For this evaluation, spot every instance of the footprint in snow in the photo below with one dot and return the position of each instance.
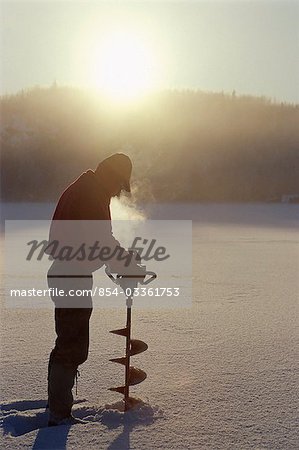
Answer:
(23, 416)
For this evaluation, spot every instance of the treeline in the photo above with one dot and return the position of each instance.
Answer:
(186, 145)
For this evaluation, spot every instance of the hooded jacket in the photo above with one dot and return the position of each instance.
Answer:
(73, 227)
(84, 199)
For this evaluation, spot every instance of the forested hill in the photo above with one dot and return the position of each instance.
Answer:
(186, 145)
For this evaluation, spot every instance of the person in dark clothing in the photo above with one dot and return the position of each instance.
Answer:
(86, 199)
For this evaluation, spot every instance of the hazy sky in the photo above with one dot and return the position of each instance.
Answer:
(250, 47)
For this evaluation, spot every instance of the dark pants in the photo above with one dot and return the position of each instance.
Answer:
(71, 349)
(72, 329)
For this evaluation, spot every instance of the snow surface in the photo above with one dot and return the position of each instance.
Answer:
(221, 375)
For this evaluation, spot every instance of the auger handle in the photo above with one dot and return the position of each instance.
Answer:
(114, 279)
(141, 278)
(152, 275)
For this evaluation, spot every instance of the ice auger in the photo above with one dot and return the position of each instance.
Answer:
(133, 375)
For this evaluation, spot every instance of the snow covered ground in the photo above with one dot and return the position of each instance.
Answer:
(221, 375)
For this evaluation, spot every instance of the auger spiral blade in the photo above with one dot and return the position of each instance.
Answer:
(120, 389)
(121, 331)
(119, 360)
(136, 376)
(137, 346)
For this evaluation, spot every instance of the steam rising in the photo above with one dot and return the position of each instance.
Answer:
(125, 216)
(124, 208)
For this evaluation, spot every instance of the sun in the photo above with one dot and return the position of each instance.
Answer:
(122, 66)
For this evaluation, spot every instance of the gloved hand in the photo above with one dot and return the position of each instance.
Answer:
(131, 276)
(133, 270)
(129, 268)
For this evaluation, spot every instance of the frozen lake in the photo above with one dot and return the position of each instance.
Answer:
(222, 374)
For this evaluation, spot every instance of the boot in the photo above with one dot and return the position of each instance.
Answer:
(71, 420)
(61, 381)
